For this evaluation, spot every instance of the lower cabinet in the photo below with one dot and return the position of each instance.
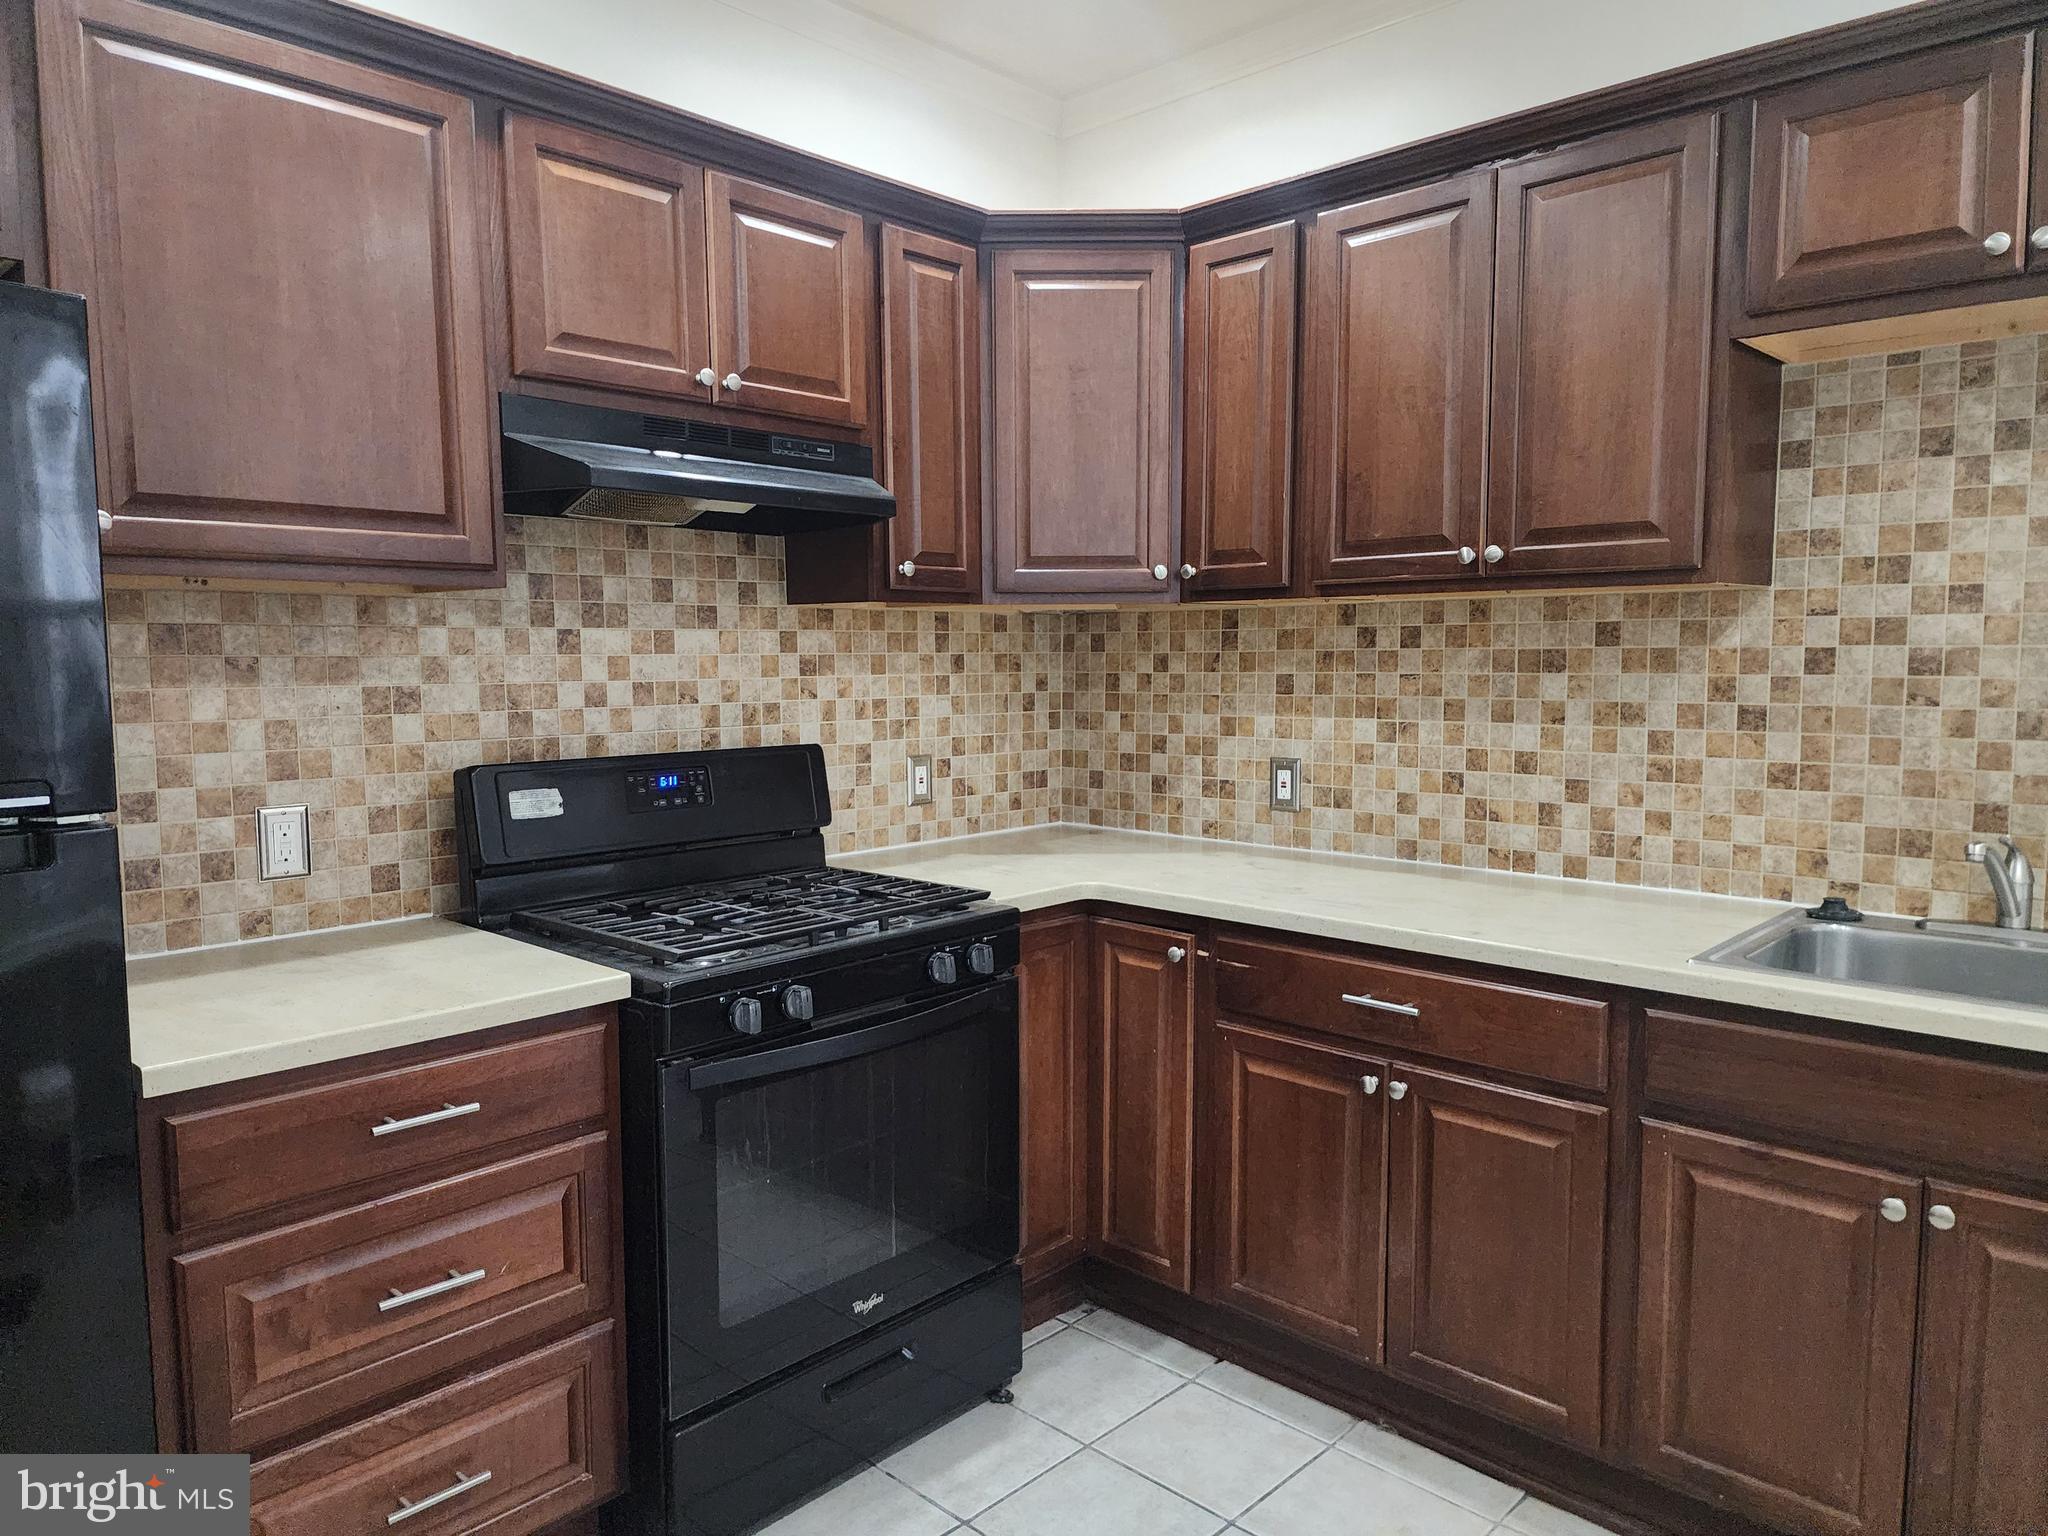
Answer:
(1496, 1244)
(1052, 1002)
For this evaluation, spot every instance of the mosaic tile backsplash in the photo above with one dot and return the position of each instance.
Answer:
(1847, 731)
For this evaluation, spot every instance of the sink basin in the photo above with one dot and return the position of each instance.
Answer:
(1991, 965)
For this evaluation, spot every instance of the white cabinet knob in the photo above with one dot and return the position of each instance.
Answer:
(1397, 1089)
(1892, 1208)
(1371, 1085)
(1187, 573)
(706, 377)
(1467, 554)
(106, 521)
(907, 568)
(733, 382)
(1997, 243)
(1175, 953)
(2039, 238)
(1159, 573)
(1495, 554)
(1941, 1217)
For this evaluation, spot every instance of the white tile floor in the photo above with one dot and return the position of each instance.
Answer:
(1121, 1431)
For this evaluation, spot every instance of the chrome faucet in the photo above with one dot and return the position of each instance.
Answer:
(2012, 881)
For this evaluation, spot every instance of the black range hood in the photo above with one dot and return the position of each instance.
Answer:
(586, 461)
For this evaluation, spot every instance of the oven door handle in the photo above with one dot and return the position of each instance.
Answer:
(754, 1065)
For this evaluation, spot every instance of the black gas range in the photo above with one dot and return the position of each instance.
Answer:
(818, 1078)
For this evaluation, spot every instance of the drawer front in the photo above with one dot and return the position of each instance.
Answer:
(250, 1156)
(290, 1327)
(1909, 1107)
(1487, 1023)
(508, 1451)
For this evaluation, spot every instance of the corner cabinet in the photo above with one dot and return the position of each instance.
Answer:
(1083, 401)
(1053, 1039)
(280, 256)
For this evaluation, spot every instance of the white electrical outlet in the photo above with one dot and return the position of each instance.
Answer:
(920, 782)
(1286, 784)
(282, 842)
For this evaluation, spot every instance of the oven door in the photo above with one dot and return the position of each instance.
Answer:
(819, 1187)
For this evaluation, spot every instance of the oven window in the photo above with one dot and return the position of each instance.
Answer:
(807, 1205)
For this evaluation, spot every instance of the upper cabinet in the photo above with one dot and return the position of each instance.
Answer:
(1883, 180)
(1083, 402)
(1398, 324)
(931, 395)
(1603, 298)
(279, 251)
(1238, 433)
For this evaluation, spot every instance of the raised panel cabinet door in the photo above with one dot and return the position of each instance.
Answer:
(931, 394)
(791, 289)
(279, 254)
(1143, 1109)
(1296, 1138)
(1890, 178)
(1980, 1418)
(1083, 404)
(1398, 332)
(1602, 296)
(1496, 1242)
(1775, 1314)
(604, 250)
(1238, 445)
(1052, 1009)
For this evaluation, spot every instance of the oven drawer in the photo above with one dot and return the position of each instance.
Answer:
(253, 1155)
(1494, 1024)
(298, 1325)
(509, 1451)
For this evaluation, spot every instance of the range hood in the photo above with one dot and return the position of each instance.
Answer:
(586, 461)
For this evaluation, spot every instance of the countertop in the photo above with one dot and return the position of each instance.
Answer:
(203, 1016)
(1624, 935)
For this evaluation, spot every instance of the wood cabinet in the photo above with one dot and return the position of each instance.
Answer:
(1143, 1102)
(1603, 296)
(1238, 423)
(1296, 1140)
(279, 251)
(1496, 1248)
(1052, 1006)
(1775, 1330)
(931, 398)
(1082, 393)
(1397, 326)
(1891, 178)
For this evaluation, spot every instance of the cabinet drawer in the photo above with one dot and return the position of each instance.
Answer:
(290, 1327)
(1488, 1023)
(255, 1154)
(1910, 1107)
(508, 1451)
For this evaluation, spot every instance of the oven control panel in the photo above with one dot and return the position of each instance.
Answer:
(661, 789)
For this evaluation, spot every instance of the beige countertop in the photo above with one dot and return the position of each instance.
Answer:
(1624, 935)
(204, 1016)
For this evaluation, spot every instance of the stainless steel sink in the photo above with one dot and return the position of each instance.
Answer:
(1992, 965)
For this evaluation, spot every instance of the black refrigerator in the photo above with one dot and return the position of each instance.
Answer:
(74, 1322)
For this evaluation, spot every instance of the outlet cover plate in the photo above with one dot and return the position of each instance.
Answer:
(1284, 787)
(919, 780)
(282, 842)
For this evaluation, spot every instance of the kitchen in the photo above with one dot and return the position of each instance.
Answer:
(1350, 856)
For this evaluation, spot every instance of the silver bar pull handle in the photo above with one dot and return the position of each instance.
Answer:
(387, 1125)
(457, 1279)
(407, 1508)
(1367, 1000)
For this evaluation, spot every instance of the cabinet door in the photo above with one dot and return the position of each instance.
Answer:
(1239, 418)
(1296, 1139)
(931, 391)
(1603, 294)
(1084, 421)
(1143, 1100)
(790, 295)
(1496, 1242)
(1399, 319)
(279, 251)
(1980, 1421)
(1052, 1005)
(604, 250)
(1890, 178)
(1775, 1331)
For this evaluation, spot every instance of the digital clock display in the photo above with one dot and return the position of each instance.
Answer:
(667, 781)
(665, 789)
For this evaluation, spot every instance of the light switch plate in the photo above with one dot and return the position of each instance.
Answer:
(920, 781)
(1285, 788)
(282, 842)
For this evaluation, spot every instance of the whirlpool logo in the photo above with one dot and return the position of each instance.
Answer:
(863, 1308)
(166, 1496)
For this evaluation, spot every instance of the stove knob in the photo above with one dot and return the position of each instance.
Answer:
(981, 959)
(745, 1015)
(942, 968)
(796, 1003)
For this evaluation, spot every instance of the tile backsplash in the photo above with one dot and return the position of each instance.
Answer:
(1848, 730)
